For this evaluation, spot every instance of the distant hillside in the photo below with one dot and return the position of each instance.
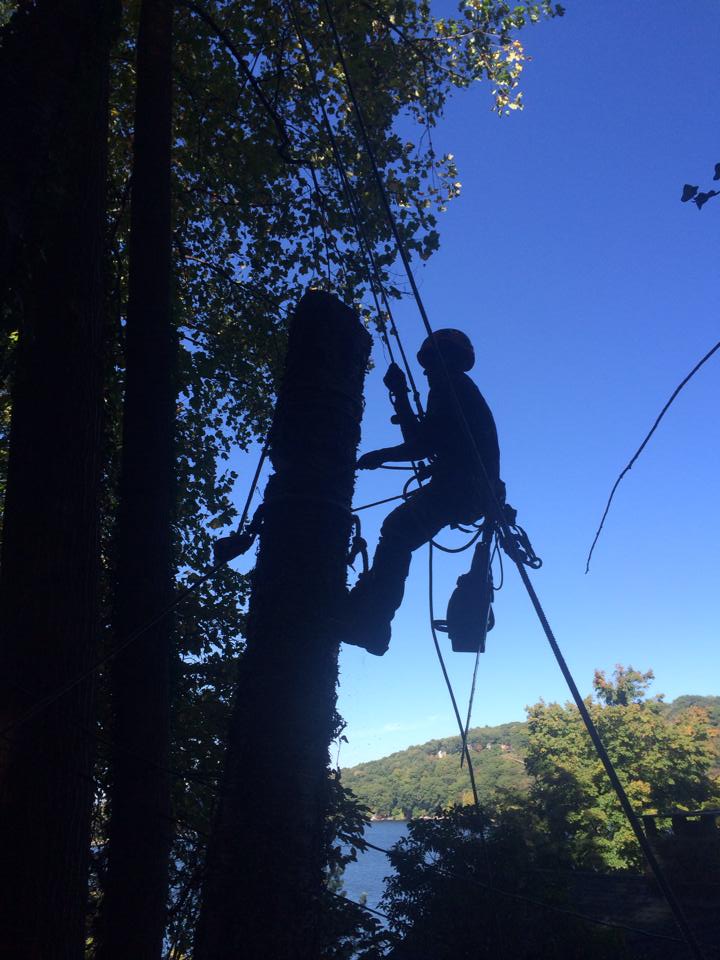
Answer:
(416, 781)
(711, 704)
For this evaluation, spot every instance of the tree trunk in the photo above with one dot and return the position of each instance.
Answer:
(133, 913)
(50, 557)
(264, 870)
(43, 58)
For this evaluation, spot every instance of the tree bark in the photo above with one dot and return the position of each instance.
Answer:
(133, 912)
(264, 869)
(50, 556)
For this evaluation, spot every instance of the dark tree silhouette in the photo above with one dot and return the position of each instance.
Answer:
(263, 884)
(140, 832)
(53, 114)
(43, 59)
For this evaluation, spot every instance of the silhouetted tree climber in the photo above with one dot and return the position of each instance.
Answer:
(458, 490)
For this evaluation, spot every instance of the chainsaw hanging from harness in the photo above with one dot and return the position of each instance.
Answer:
(469, 612)
(470, 615)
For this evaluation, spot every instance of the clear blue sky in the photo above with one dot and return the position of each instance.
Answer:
(589, 291)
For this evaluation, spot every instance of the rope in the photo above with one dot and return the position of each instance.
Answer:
(376, 170)
(140, 631)
(377, 503)
(470, 706)
(465, 546)
(353, 207)
(642, 446)
(446, 677)
(471, 772)
(505, 527)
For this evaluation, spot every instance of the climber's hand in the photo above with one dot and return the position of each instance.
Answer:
(371, 460)
(394, 380)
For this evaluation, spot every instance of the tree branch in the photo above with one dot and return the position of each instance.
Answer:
(284, 145)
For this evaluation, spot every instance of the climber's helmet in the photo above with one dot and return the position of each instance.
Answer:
(454, 347)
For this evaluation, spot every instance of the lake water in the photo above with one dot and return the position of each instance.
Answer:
(365, 877)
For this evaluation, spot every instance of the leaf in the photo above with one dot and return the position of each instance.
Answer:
(688, 192)
(702, 198)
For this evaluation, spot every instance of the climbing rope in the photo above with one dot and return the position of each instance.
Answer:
(471, 700)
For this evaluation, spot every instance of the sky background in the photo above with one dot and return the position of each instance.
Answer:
(589, 291)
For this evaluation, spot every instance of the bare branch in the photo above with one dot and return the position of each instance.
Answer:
(642, 446)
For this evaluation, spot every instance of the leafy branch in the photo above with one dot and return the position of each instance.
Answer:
(700, 198)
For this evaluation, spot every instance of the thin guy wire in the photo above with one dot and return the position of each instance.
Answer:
(377, 503)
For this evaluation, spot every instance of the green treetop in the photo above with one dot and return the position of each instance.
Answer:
(664, 762)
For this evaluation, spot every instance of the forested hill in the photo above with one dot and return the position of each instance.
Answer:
(687, 700)
(416, 781)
